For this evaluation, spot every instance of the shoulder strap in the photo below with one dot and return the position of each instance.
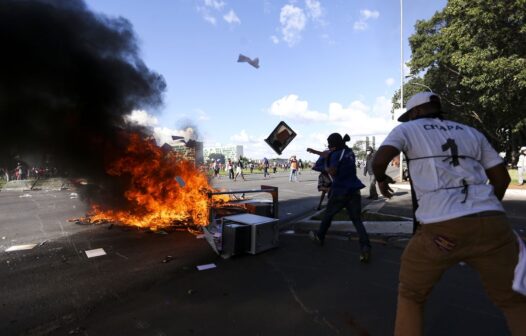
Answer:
(339, 162)
(414, 201)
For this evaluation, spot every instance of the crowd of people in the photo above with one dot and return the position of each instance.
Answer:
(238, 169)
(25, 172)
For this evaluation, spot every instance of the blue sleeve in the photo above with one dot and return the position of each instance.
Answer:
(334, 157)
(319, 165)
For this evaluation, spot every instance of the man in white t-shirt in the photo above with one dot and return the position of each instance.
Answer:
(460, 215)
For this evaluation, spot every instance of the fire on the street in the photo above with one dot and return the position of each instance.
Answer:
(156, 199)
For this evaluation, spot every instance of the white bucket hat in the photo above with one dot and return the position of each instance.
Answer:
(417, 100)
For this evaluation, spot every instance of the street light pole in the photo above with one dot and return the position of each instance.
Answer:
(419, 84)
(422, 85)
(401, 77)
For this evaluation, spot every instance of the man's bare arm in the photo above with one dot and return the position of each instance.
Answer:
(499, 178)
(323, 154)
(381, 160)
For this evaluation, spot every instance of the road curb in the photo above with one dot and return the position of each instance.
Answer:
(373, 227)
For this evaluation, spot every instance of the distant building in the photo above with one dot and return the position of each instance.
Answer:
(190, 150)
(232, 152)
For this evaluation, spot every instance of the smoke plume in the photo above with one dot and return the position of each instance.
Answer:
(68, 76)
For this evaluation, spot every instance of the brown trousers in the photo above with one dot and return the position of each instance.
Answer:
(486, 243)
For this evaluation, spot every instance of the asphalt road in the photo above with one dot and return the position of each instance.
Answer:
(148, 284)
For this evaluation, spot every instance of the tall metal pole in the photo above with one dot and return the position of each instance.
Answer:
(401, 76)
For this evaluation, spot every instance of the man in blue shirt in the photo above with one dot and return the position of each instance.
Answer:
(344, 193)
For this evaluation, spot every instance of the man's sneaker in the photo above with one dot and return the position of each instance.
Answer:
(314, 237)
(365, 256)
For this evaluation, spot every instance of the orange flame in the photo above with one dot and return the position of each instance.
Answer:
(157, 199)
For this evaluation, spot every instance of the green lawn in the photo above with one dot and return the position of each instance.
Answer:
(514, 175)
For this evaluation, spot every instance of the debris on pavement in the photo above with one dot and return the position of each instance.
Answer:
(25, 195)
(73, 195)
(206, 267)
(20, 247)
(95, 253)
(200, 236)
(168, 259)
(76, 331)
(122, 256)
(54, 249)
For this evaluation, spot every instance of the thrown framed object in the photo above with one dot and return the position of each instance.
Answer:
(280, 137)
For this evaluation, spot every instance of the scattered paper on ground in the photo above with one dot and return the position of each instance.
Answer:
(95, 253)
(25, 195)
(206, 267)
(73, 195)
(21, 247)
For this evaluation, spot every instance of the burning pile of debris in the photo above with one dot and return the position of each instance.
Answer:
(70, 77)
(161, 188)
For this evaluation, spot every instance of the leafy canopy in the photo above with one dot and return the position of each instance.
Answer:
(473, 54)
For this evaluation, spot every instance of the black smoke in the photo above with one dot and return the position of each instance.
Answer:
(67, 78)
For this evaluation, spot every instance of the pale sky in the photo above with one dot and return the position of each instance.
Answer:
(325, 66)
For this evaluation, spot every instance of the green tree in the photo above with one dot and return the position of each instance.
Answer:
(473, 54)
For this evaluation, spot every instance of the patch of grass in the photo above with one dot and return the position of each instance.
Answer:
(366, 216)
(514, 175)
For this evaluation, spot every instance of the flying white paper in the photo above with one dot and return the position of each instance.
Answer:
(254, 62)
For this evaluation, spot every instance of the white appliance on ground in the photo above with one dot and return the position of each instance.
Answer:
(264, 231)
